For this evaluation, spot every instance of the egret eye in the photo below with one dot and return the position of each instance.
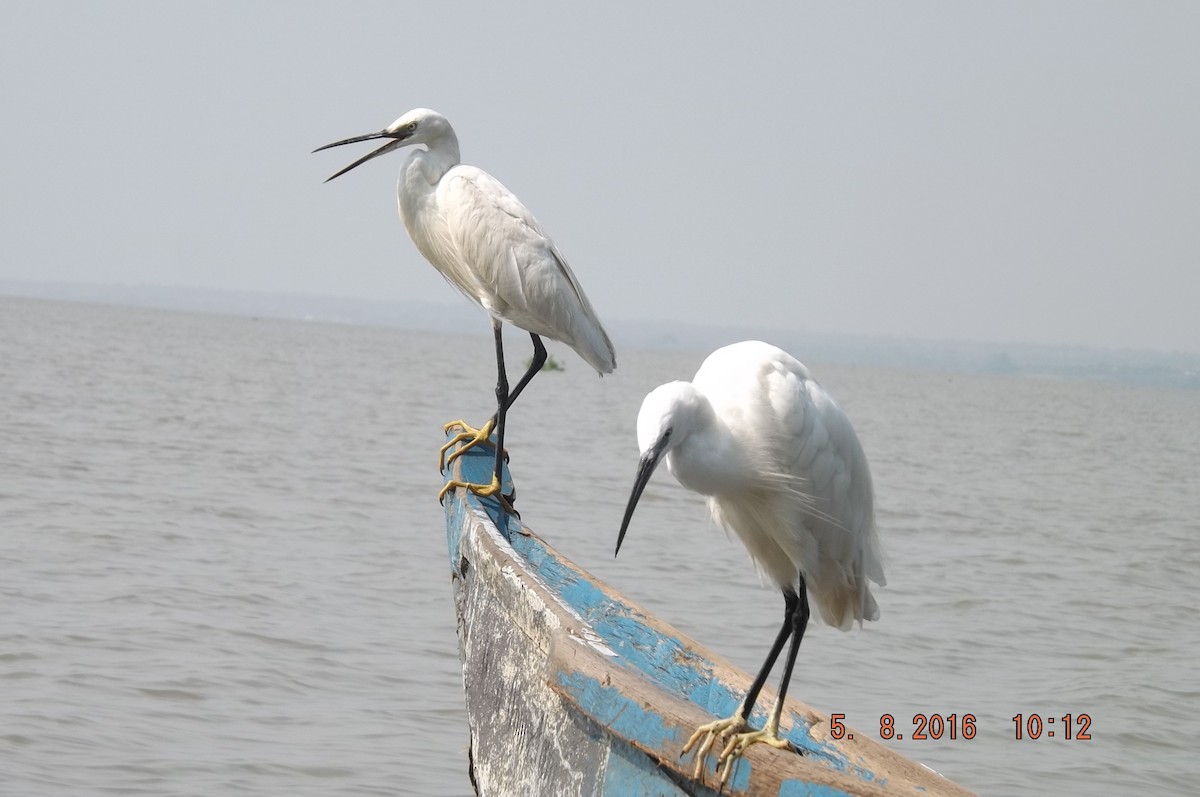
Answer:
(411, 126)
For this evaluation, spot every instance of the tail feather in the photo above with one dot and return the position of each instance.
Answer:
(592, 344)
(842, 596)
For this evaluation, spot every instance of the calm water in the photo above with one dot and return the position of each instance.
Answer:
(222, 567)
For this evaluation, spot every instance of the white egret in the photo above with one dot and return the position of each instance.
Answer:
(480, 237)
(783, 470)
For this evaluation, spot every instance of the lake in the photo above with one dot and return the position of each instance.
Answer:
(223, 565)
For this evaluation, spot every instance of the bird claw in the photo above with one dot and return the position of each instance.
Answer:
(469, 437)
(481, 490)
(739, 743)
(710, 732)
(491, 490)
(707, 735)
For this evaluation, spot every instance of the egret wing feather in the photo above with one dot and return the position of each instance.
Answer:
(500, 249)
(830, 465)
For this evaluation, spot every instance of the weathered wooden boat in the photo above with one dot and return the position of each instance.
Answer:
(572, 689)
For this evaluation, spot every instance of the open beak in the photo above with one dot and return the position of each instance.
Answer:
(646, 466)
(397, 140)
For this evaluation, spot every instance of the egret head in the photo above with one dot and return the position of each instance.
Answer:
(418, 126)
(669, 414)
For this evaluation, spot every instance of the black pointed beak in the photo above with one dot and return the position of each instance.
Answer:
(397, 140)
(646, 466)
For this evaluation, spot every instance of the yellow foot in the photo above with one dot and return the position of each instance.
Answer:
(469, 434)
(739, 743)
(709, 733)
(483, 491)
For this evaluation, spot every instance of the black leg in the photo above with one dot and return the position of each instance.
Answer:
(790, 602)
(535, 365)
(539, 359)
(502, 398)
(799, 623)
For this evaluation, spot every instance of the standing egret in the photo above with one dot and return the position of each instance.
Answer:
(782, 469)
(480, 237)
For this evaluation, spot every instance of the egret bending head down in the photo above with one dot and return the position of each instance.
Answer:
(480, 237)
(783, 470)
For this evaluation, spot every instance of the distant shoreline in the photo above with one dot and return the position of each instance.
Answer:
(1124, 366)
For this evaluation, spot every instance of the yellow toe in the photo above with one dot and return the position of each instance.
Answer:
(739, 743)
(469, 438)
(706, 735)
(482, 490)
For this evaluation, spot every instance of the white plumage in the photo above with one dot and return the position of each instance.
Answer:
(784, 471)
(480, 237)
(489, 246)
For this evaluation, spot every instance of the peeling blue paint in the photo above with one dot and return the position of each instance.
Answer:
(613, 709)
(636, 776)
(636, 724)
(799, 788)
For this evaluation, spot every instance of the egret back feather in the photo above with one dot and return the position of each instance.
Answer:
(815, 500)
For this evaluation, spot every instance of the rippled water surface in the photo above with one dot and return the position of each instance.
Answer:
(222, 567)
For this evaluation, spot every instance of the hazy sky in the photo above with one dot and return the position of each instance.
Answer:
(1016, 172)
